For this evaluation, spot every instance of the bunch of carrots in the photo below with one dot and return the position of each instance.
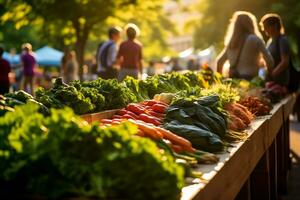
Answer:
(239, 116)
(256, 106)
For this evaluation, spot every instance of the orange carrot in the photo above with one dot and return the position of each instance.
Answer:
(147, 129)
(177, 148)
(176, 140)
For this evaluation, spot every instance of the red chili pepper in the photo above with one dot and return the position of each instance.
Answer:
(152, 102)
(128, 112)
(122, 111)
(135, 108)
(117, 116)
(156, 114)
(147, 107)
(159, 108)
(149, 102)
(117, 120)
(106, 121)
(162, 103)
(149, 119)
(126, 116)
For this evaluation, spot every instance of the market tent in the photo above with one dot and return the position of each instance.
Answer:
(12, 59)
(186, 53)
(207, 56)
(48, 56)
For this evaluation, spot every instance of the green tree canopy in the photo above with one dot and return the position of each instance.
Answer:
(84, 22)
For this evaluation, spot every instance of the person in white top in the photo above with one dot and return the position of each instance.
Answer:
(244, 48)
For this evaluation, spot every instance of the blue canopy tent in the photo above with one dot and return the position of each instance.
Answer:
(12, 59)
(47, 56)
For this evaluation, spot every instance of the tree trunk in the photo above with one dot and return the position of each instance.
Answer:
(82, 34)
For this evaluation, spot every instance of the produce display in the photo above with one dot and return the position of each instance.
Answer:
(199, 121)
(239, 116)
(148, 116)
(61, 155)
(256, 106)
(165, 126)
(274, 92)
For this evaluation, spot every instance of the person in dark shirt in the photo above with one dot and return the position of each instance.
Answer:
(279, 47)
(107, 54)
(4, 72)
(130, 54)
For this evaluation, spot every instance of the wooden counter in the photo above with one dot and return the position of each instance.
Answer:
(249, 169)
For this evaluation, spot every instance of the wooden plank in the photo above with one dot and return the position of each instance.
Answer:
(87, 117)
(100, 115)
(260, 179)
(288, 105)
(245, 192)
(103, 115)
(274, 123)
(273, 170)
(281, 174)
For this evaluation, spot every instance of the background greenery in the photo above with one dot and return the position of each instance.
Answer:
(82, 24)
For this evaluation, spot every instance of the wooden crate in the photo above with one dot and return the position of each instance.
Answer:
(100, 115)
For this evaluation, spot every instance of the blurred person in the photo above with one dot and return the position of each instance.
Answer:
(279, 47)
(244, 48)
(175, 65)
(4, 73)
(130, 54)
(63, 62)
(94, 67)
(151, 68)
(72, 68)
(107, 54)
(29, 64)
(192, 64)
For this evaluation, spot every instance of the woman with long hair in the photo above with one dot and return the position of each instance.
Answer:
(244, 48)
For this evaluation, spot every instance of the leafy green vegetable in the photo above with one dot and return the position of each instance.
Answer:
(224, 91)
(136, 88)
(65, 95)
(116, 95)
(257, 82)
(20, 96)
(60, 155)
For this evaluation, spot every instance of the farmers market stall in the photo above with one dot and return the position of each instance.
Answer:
(253, 169)
(191, 135)
(248, 170)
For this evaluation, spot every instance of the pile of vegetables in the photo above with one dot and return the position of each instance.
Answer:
(256, 106)
(226, 93)
(274, 92)
(100, 94)
(46, 150)
(239, 116)
(63, 94)
(200, 121)
(148, 115)
(10, 100)
(105, 163)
